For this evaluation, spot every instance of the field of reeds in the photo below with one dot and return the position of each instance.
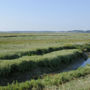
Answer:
(28, 60)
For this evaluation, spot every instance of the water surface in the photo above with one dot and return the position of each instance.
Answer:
(86, 62)
(77, 64)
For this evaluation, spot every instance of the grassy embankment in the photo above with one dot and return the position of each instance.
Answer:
(81, 83)
(47, 81)
(28, 63)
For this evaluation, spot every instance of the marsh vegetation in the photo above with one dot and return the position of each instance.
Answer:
(37, 60)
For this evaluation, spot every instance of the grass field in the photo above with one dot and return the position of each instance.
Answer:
(77, 84)
(27, 60)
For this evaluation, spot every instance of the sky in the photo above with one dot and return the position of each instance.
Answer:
(41, 15)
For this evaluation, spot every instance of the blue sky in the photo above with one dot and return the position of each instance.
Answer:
(37, 15)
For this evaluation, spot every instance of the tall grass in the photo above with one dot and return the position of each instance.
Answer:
(54, 80)
(51, 60)
(51, 51)
(42, 51)
(16, 45)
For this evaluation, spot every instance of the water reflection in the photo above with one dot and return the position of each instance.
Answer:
(77, 64)
(86, 62)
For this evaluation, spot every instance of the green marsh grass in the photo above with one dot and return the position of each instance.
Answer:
(51, 60)
(13, 45)
(23, 52)
(49, 81)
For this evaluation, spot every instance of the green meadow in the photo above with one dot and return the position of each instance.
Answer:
(35, 61)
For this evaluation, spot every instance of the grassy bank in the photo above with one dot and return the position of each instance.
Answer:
(82, 83)
(47, 81)
(51, 60)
